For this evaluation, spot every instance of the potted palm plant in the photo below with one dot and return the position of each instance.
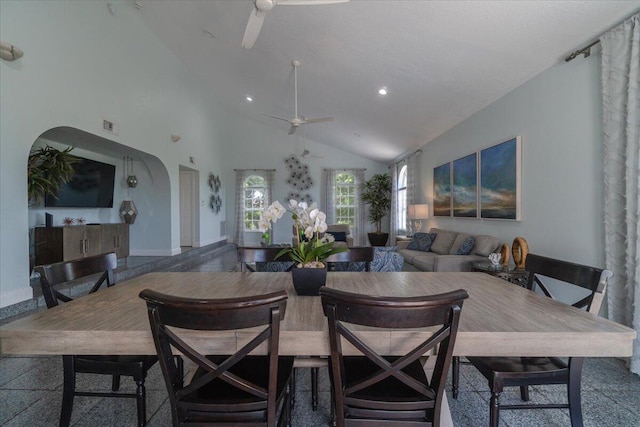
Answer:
(47, 169)
(377, 194)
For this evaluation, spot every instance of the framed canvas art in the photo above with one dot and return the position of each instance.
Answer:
(442, 190)
(465, 187)
(500, 196)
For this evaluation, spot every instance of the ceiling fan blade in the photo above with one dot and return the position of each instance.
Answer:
(292, 130)
(319, 120)
(308, 2)
(256, 19)
(276, 117)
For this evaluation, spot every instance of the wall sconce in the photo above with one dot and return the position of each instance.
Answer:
(416, 214)
(175, 138)
(9, 52)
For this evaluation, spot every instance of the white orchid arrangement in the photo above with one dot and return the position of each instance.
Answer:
(309, 222)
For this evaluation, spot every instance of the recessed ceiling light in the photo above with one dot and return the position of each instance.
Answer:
(208, 34)
(382, 91)
(248, 98)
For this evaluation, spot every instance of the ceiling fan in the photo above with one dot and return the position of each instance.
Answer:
(297, 120)
(261, 7)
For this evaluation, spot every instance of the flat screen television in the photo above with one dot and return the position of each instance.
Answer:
(91, 186)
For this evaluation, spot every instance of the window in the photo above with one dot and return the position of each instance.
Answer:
(402, 199)
(255, 189)
(345, 199)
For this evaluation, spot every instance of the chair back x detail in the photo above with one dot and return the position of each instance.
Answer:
(236, 388)
(55, 274)
(594, 280)
(379, 390)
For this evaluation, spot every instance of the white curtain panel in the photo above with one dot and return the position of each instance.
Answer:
(329, 194)
(411, 180)
(393, 215)
(621, 122)
(241, 175)
(360, 219)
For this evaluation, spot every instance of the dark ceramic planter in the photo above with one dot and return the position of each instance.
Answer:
(378, 239)
(307, 281)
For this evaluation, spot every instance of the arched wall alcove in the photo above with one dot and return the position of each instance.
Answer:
(150, 234)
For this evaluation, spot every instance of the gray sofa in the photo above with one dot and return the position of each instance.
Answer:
(442, 255)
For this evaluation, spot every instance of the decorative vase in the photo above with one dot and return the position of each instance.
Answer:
(307, 281)
(520, 250)
(378, 239)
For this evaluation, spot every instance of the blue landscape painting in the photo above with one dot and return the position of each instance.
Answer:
(442, 190)
(499, 181)
(465, 187)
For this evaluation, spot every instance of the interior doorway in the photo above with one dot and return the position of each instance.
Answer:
(189, 225)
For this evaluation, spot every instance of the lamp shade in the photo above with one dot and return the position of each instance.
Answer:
(418, 211)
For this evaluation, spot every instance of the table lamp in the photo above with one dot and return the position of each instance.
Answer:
(416, 214)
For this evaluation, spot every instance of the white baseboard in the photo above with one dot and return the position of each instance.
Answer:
(16, 296)
(154, 252)
(209, 242)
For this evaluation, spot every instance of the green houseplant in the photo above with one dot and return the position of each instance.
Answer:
(377, 194)
(47, 169)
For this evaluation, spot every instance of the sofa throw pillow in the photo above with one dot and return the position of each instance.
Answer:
(467, 245)
(460, 239)
(385, 248)
(340, 236)
(444, 241)
(422, 242)
(484, 245)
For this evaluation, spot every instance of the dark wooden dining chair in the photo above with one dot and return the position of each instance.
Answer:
(373, 389)
(102, 266)
(525, 371)
(251, 258)
(355, 254)
(225, 390)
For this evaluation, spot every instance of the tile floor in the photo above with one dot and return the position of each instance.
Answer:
(31, 389)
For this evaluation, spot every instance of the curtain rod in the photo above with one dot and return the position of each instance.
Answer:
(586, 51)
(272, 170)
(415, 153)
(346, 169)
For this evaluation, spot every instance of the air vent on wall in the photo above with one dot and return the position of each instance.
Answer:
(110, 127)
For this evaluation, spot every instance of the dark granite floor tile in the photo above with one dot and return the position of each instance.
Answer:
(12, 367)
(45, 376)
(469, 409)
(46, 411)
(601, 373)
(117, 412)
(16, 401)
(600, 410)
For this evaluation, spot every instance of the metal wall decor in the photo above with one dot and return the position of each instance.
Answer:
(214, 182)
(299, 179)
(215, 202)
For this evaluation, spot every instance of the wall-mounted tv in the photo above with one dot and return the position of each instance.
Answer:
(91, 186)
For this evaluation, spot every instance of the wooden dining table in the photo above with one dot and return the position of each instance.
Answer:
(498, 318)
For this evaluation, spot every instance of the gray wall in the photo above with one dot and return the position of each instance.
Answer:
(558, 115)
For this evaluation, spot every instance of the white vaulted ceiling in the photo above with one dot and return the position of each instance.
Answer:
(441, 61)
